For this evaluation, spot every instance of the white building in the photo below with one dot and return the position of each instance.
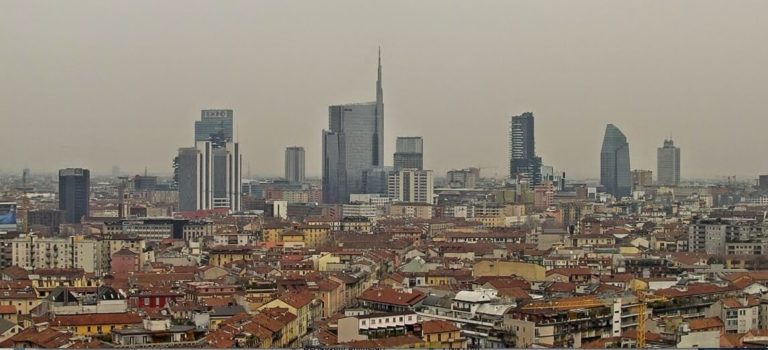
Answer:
(31, 252)
(411, 185)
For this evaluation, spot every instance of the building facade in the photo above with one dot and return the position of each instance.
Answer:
(409, 153)
(411, 185)
(209, 177)
(524, 165)
(215, 124)
(668, 164)
(294, 164)
(641, 179)
(353, 143)
(615, 175)
(74, 193)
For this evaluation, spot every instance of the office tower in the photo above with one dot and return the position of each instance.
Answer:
(411, 185)
(115, 171)
(641, 179)
(464, 178)
(375, 180)
(74, 193)
(215, 125)
(294, 164)
(209, 177)
(614, 163)
(144, 183)
(409, 153)
(523, 162)
(762, 183)
(668, 164)
(25, 175)
(353, 143)
(193, 174)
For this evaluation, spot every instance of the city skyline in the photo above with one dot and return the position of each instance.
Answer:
(595, 86)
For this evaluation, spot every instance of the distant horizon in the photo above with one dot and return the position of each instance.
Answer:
(84, 86)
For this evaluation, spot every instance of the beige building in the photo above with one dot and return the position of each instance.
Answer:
(530, 272)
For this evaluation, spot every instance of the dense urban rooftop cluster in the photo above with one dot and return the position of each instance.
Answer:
(371, 256)
(492, 266)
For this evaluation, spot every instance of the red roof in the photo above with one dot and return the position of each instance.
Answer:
(297, 300)
(437, 326)
(392, 296)
(48, 338)
(700, 324)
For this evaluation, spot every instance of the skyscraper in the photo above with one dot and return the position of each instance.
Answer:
(375, 180)
(209, 177)
(215, 125)
(411, 185)
(294, 164)
(74, 193)
(409, 153)
(615, 173)
(668, 164)
(523, 162)
(353, 143)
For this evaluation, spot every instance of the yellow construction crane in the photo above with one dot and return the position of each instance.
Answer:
(641, 310)
(571, 303)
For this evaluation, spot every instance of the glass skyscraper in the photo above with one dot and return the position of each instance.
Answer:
(214, 125)
(353, 144)
(523, 162)
(615, 173)
(74, 193)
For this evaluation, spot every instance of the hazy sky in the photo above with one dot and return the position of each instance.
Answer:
(102, 83)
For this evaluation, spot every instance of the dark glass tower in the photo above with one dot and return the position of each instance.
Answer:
(523, 163)
(74, 193)
(615, 174)
(353, 144)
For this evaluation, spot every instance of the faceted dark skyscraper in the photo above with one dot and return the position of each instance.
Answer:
(523, 162)
(615, 174)
(74, 193)
(353, 144)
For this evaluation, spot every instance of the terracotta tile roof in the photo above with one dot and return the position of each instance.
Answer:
(700, 324)
(16, 273)
(297, 300)
(733, 303)
(438, 326)
(392, 296)
(506, 282)
(620, 278)
(513, 293)
(220, 339)
(562, 287)
(48, 338)
(731, 340)
(649, 336)
(572, 271)
(280, 314)
(7, 309)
